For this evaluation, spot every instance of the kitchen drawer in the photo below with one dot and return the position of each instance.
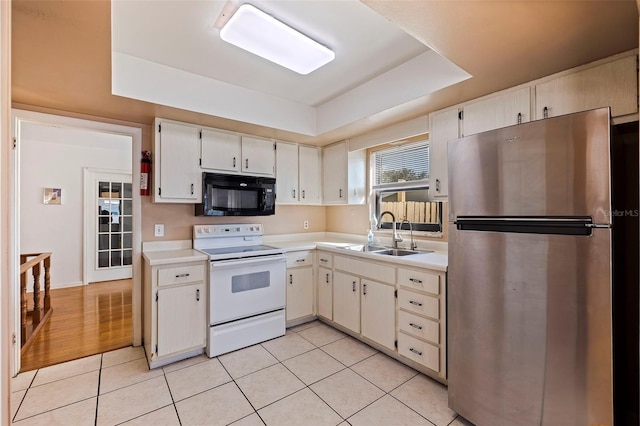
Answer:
(419, 327)
(325, 259)
(419, 351)
(375, 271)
(180, 274)
(417, 303)
(419, 280)
(299, 258)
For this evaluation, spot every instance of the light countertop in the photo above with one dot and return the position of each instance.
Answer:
(163, 257)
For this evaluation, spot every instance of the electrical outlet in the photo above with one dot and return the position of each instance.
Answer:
(158, 230)
(305, 224)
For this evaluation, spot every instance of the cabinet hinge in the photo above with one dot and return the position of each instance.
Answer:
(15, 143)
(200, 134)
(159, 128)
(156, 348)
(395, 293)
(394, 344)
(460, 115)
(275, 147)
(159, 191)
(13, 338)
(201, 161)
(156, 296)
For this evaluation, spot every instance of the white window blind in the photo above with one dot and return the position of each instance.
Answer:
(404, 163)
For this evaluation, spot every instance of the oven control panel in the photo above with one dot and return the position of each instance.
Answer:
(237, 230)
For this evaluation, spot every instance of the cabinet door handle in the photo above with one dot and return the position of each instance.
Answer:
(246, 163)
(234, 162)
(413, 302)
(364, 289)
(294, 193)
(519, 118)
(303, 193)
(354, 286)
(545, 112)
(290, 278)
(437, 185)
(415, 351)
(191, 189)
(419, 327)
(198, 294)
(182, 275)
(327, 278)
(340, 193)
(415, 280)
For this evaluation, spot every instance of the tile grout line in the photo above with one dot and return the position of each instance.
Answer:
(95, 420)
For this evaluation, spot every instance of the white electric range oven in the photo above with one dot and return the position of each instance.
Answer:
(247, 287)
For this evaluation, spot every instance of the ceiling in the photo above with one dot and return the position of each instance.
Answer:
(171, 53)
(62, 59)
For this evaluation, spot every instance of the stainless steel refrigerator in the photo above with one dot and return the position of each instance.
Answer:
(531, 274)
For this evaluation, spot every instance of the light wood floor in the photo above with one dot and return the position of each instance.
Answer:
(86, 320)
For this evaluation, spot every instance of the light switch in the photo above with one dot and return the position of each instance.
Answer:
(158, 230)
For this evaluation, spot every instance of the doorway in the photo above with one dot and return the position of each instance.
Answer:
(95, 133)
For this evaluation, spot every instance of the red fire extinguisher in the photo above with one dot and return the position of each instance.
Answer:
(145, 172)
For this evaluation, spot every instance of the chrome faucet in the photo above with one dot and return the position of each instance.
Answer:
(413, 245)
(396, 237)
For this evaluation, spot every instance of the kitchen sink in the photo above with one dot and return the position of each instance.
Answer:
(397, 252)
(365, 248)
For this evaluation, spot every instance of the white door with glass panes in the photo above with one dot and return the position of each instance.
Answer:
(108, 226)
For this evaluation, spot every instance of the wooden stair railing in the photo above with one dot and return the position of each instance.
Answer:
(39, 315)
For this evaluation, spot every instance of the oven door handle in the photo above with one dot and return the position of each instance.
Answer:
(244, 262)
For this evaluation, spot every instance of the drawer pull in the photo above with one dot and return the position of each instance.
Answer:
(300, 260)
(182, 275)
(324, 260)
(415, 351)
(415, 280)
(419, 327)
(413, 302)
(327, 278)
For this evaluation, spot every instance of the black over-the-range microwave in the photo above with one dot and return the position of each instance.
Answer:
(237, 195)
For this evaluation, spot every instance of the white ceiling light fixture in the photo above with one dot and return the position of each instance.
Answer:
(261, 34)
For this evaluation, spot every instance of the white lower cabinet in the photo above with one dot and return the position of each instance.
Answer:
(299, 285)
(175, 311)
(346, 300)
(422, 318)
(378, 313)
(325, 293)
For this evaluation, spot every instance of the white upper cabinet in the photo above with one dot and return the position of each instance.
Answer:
(343, 175)
(297, 174)
(258, 156)
(309, 177)
(221, 150)
(613, 84)
(494, 112)
(229, 152)
(443, 127)
(286, 172)
(177, 174)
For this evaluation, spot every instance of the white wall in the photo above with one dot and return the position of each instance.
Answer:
(54, 157)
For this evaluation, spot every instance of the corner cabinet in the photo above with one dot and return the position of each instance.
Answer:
(344, 175)
(297, 174)
(177, 177)
(299, 285)
(175, 309)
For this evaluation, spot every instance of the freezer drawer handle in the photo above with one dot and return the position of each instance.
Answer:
(415, 351)
(419, 327)
(415, 280)
(413, 302)
(182, 275)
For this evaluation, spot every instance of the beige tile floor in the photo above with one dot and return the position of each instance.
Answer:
(314, 375)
